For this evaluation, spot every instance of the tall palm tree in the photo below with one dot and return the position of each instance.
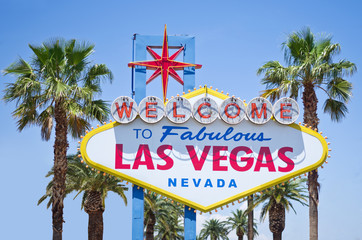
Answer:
(239, 222)
(215, 229)
(310, 67)
(57, 88)
(277, 200)
(157, 210)
(95, 187)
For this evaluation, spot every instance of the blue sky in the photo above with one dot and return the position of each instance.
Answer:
(233, 39)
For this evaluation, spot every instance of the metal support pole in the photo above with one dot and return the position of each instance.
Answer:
(137, 213)
(190, 223)
(138, 85)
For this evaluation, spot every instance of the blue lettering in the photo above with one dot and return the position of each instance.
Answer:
(208, 183)
(168, 131)
(220, 183)
(202, 134)
(261, 138)
(232, 183)
(137, 129)
(196, 183)
(187, 135)
(238, 137)
(184, 182)
(173, 182)
(149, 133)
(202, 130)
(247, 138)
(217, 136)
(228, 132)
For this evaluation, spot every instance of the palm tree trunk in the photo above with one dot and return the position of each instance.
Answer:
(277, 236)
(239, 233)
(150, 225)
(311, 118)
(277, 220)
(60, 169)
(250, 218)
(95, 225)
(94, 207)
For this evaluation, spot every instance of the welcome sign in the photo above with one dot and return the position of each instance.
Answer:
(203, 164)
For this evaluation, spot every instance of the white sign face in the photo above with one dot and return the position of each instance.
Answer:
(204, 166)
(178, 110)
(286, 110)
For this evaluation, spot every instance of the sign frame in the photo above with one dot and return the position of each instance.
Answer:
(187, 202)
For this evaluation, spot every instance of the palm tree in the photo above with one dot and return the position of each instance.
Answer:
(239, 222)
(170, 227)
(309, 67)
(215, 229)
(95, 186)
(277, 200)
(57, 89)
(157, 210)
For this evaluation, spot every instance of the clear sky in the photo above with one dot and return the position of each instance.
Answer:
(233, 39)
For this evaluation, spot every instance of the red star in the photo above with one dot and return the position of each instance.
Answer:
(164, 65)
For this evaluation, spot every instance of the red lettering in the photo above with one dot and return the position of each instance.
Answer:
(255, 110)
(226, 110)
(143, 150)
(124, 109)
(198, 163)
(249, 160)
(168, 160)
(269, 160)
(119, 158)
(217, 158)
(282, 110)
(199, 110)
(175, 112)
(148, 109)
(288, 161)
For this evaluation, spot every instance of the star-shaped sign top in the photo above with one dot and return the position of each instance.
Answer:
(164, 65)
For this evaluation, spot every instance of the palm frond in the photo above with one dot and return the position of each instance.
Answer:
(97, 73)
(83, 179)
(336, 109)
(309, 63)
(46, 121)
(53, 75)
(340, 89)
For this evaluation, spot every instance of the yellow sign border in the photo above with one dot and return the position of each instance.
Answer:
(186, 201)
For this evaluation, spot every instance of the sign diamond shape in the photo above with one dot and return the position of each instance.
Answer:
(204, 166)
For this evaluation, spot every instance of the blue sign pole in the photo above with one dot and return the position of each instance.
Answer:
(137, 213)
(190, 223)
(140, 43)
(138, 76)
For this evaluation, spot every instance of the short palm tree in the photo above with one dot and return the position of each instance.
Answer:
(157, 210)
(278, 199)
(95, 186)
(170, 227)
(57, 89)
(215, 229)
(239, 222)
(310, 67)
